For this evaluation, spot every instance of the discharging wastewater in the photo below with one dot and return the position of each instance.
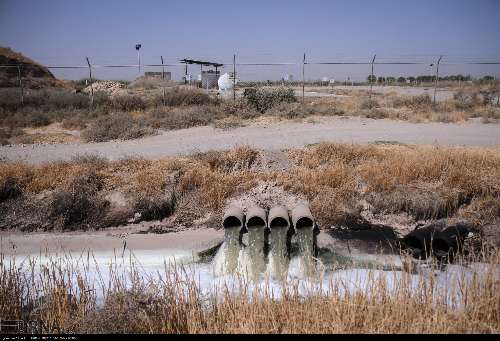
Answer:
(273, 261)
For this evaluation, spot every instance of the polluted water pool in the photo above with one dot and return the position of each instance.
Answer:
(260, 260)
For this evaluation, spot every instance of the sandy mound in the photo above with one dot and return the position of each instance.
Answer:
(266, 195)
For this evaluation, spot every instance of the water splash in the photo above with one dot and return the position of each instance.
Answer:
(305, 263)
(226, 259)
(278, 256)
(251, 262)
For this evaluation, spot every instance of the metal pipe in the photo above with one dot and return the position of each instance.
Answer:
(302, 217)
(278, 217)
(256, 218)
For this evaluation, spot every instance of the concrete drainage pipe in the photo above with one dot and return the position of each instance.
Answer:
(256, 218)
(278, 217)
(233, 218)
(302, 217)
(419, 242)
(450, 241)
(279, 222)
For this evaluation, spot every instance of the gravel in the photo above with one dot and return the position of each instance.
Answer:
(268, 136)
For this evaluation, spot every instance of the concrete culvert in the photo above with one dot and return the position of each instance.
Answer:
(256, 217)
(278, 217)
(302, 217)
(420, 241)
(450, 240)
(233, 218)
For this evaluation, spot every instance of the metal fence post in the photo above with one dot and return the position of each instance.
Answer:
(20, 84)
(91, 87)
(234, 77)
(437, 77)
(163, 79)
(303, 77)
(371, 80)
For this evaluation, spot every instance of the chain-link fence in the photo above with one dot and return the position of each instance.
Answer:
(301, 75)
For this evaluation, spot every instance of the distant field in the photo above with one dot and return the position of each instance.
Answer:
(130, 111)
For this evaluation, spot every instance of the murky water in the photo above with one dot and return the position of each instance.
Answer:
(278, 254)
(226, 259)
(305, 263)
(251, 261)
(233, 260)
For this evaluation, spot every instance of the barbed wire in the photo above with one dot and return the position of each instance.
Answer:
(335, 62)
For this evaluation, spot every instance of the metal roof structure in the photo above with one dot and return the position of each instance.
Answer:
(199, 62)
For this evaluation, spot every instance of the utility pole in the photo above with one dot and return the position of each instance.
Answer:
(437, 77)
(371, 79)
(91, 87)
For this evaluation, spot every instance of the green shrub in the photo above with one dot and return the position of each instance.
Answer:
(263, 99)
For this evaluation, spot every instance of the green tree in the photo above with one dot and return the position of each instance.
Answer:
(371, 78)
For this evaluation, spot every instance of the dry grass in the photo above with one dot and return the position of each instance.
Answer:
(465, 105)
(116, 126)
(63, 300)
(183, 107)
(339, 180)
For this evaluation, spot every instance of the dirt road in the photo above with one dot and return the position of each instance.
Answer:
(270, 136)
(441, 94)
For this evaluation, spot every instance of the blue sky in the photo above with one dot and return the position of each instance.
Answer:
(65, 32)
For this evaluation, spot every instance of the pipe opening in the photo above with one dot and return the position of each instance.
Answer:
(439, 244)
(304, 222)
(256, 222)
(231, 222)
(414, 242)
(278, 222)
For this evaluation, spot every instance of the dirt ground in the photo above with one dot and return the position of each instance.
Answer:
(441, 94)
(18, 243)
(268, 136)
